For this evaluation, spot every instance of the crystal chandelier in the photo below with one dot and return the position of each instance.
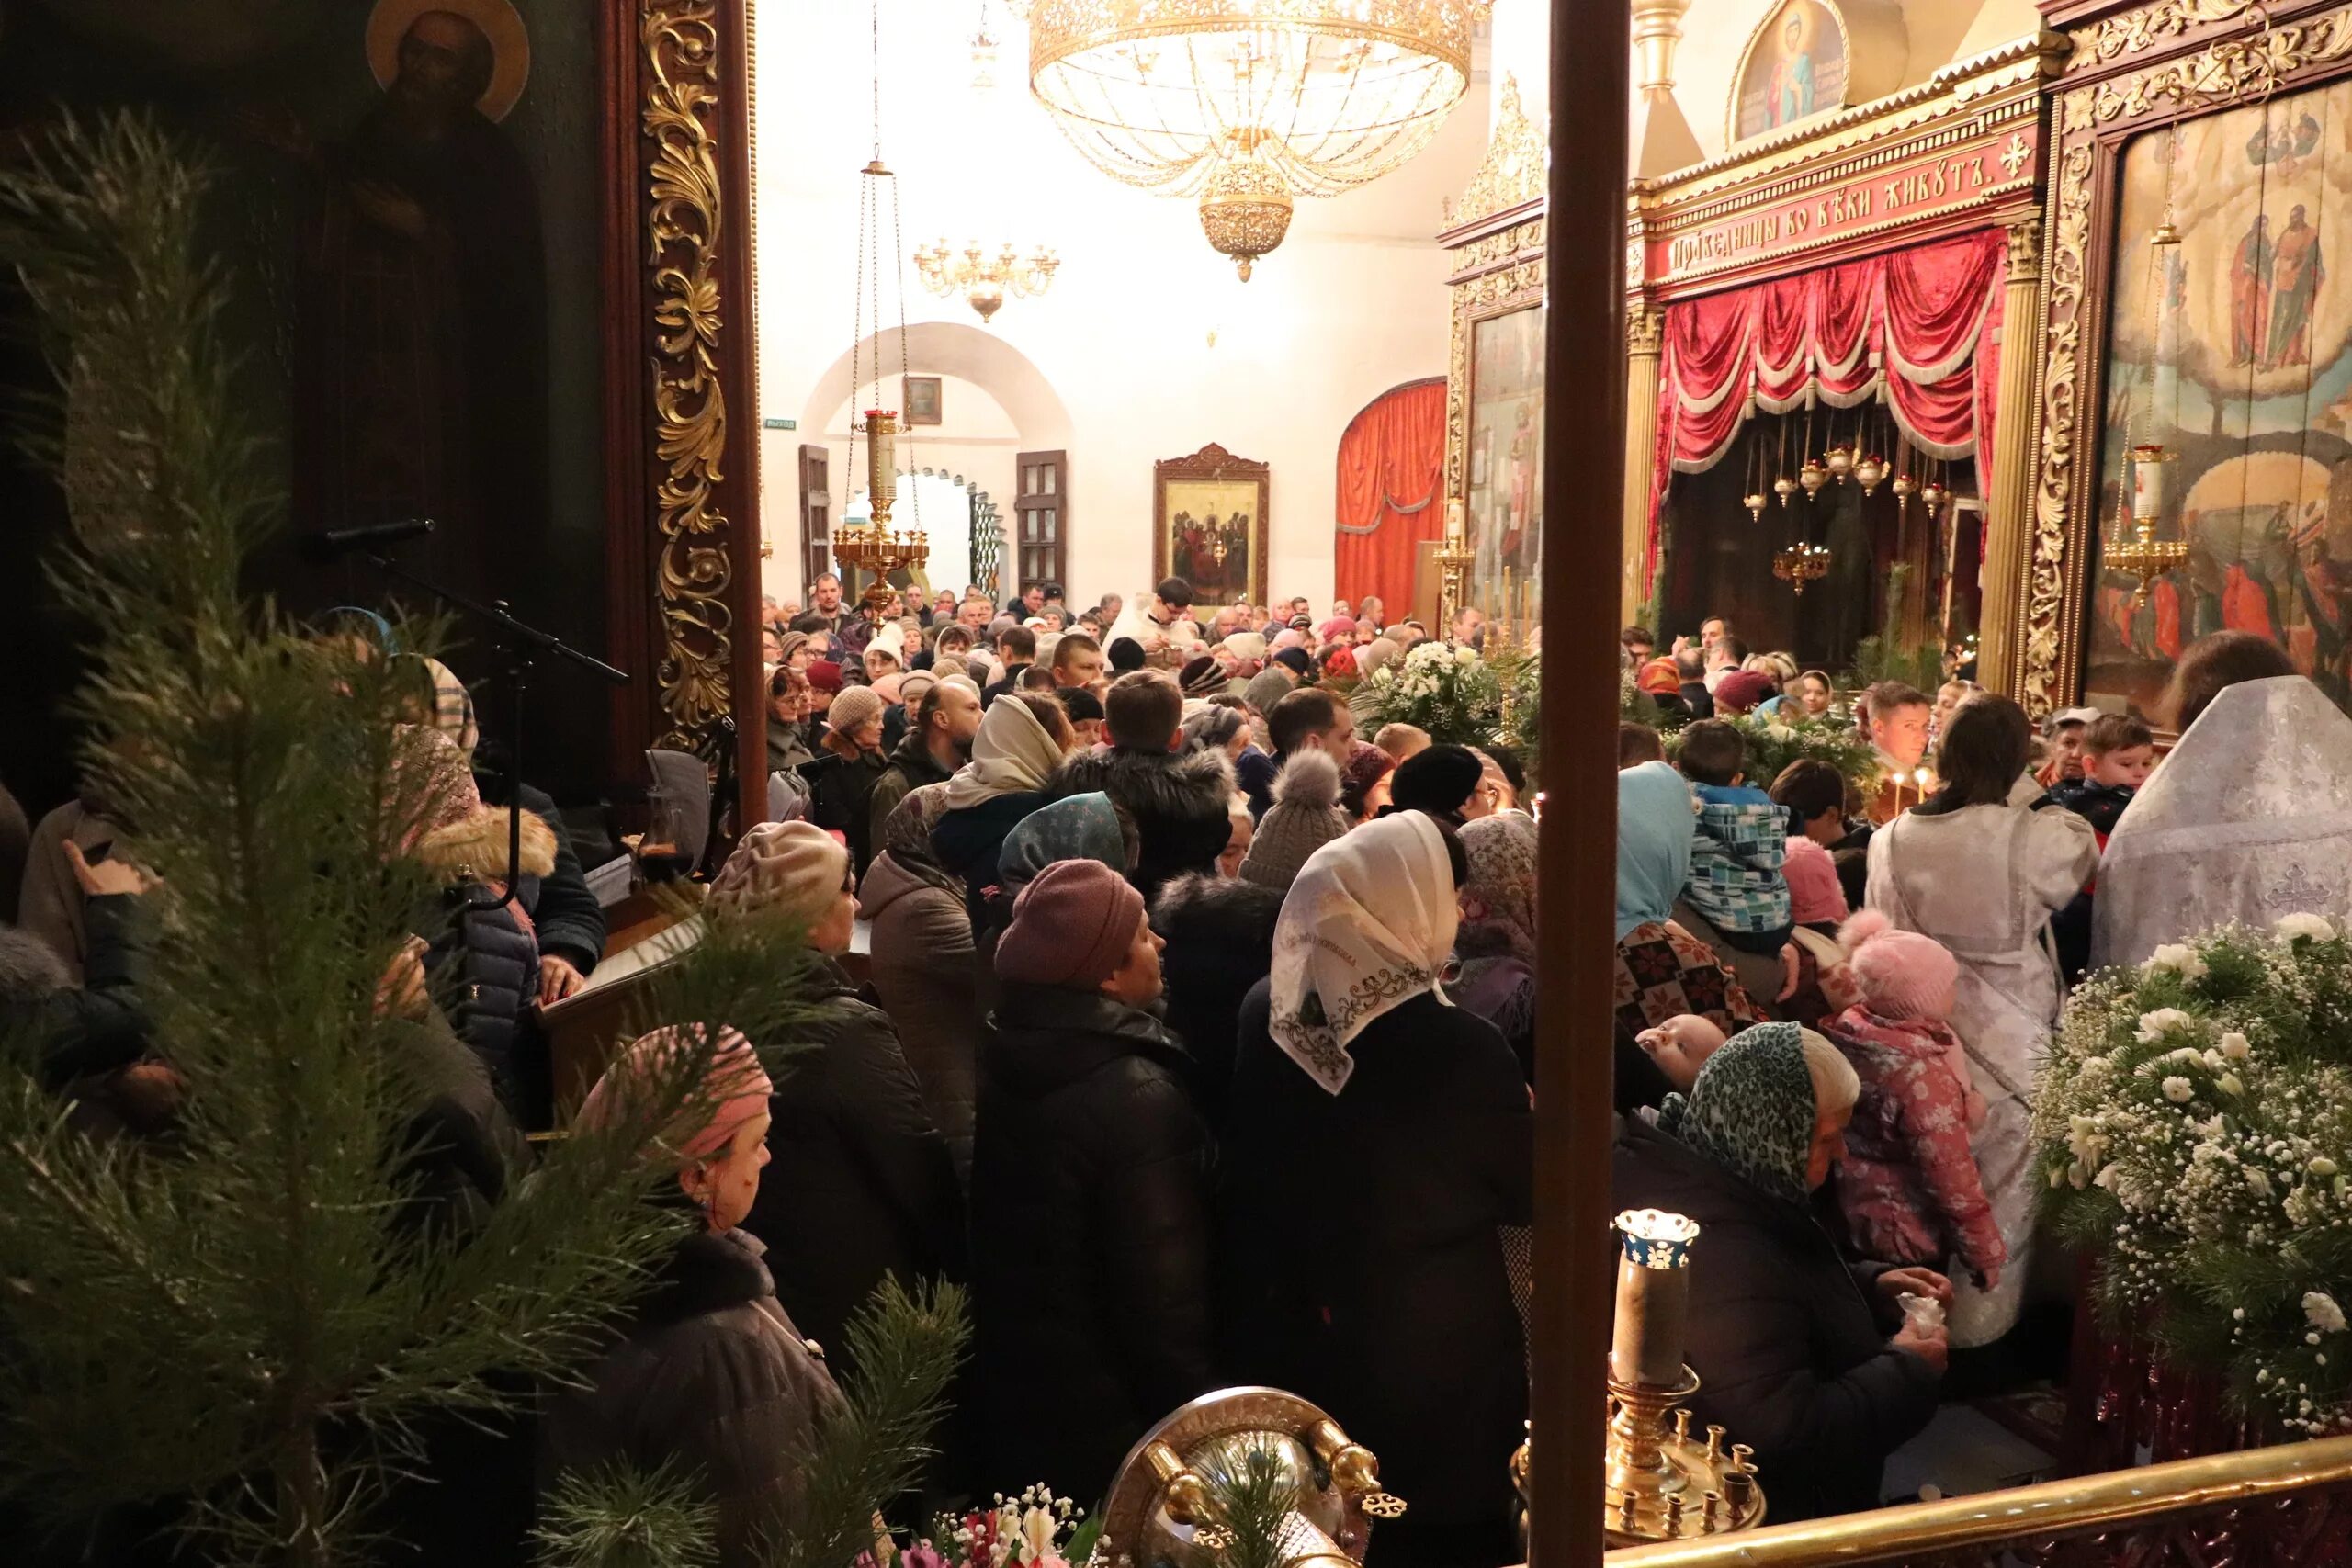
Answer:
(985, 281)
(1247, 103)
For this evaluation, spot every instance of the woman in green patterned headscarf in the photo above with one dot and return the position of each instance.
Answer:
(1771, 1107)
(1805, 1358)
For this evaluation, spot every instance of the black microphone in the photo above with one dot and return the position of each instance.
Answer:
(333, 544)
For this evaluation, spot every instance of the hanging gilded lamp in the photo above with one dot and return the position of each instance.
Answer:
(1784, 487)
(1842, 462)
(1870, 471)
(1813, 476)
(1905, 486)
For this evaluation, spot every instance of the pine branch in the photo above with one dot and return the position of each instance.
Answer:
(616, 1517)
(1251, 1497)
(906, 1348)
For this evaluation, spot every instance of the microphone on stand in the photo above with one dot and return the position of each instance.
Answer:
(333, 544)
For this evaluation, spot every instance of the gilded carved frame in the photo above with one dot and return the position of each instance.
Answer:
(681, 459)
(1497, 236)
(2210, 56)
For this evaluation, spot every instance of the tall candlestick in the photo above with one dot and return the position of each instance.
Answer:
(1653, 1297)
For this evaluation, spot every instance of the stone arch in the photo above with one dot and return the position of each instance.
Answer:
(968, 352)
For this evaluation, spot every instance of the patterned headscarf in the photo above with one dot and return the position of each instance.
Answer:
(1080, 827)
(1499, 903)
(1751, 1110)
(1366, 926)
(906, 836)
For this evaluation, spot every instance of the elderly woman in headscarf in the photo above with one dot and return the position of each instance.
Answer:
(1810, 1362)
(923, 967)
(1021, 740)
(1495, 945)
(1383, 1292)
(1663, 973)
(710, 1374)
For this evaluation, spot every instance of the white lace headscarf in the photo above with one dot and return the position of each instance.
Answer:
(1368, 926)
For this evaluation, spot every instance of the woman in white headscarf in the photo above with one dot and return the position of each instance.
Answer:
(2248, 821)
(1022, 738)
(1378, 1138)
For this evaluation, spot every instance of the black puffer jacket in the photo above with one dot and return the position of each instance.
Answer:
(570, 922)
(1360, 1261)
(1091, 1183)
(1181, 804)
(859, 1183)
(841, 798)
(1220, 936)
(1790, 1354)
(483, 967)
(713, 1376)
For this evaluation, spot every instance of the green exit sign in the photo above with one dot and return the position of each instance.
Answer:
(779, 424)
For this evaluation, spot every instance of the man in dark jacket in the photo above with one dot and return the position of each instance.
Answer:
(1090, 1184)
(1179, 800)
(939, 742)
(1018, 644)
(1220, 937)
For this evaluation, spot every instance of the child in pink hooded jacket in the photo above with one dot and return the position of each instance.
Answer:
(1909, 1187)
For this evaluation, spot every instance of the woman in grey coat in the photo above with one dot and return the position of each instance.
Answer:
(923, 965)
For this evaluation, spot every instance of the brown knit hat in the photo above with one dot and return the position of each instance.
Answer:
(1305, 816)
(1071, 927)
(852, 708)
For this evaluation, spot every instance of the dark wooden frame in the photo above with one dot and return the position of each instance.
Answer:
(2133, 69)
(1212, 464)
(682, 480)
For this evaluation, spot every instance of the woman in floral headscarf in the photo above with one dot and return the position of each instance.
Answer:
(1363, 1096)
(1495, 945)
(1792, 1349)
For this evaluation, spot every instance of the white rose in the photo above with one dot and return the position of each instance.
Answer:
(2178, 1090)
(2154, 1025)
(2322, 1166)
(2229, 1083)
(1780, 732)
(2295, 927)
(2259, 1181)
(2322, 1312)
(2177, 956)
(1465, 655)
(2234, 1047)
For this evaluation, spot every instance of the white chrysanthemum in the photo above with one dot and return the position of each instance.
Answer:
(2155, 1026)
(2295, 927)
(2322, 1312)
(2235, 1046)
(2179, 1090)
(2177, 956)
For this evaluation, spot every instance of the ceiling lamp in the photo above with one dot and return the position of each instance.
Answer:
(1247, 104)
(984, 280)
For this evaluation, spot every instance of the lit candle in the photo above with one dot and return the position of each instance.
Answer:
(1653, 1297)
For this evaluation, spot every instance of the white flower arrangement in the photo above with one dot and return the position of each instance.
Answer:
(1450, 692)
(2193, 1122)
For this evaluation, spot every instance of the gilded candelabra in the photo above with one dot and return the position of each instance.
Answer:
(984, 280)
(872, 546)
(2143, 555)
(1799, 564)
(1662, 1484)
(1453, 561)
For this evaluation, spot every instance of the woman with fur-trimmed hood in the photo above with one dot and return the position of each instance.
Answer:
(483, 963)
(1179, 799)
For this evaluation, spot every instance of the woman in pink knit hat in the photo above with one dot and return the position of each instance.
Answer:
(1909, 1186)
(709, 1374)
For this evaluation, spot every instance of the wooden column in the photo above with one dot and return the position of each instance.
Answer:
(2016, 432)
(1645, 332)
(1584, 453)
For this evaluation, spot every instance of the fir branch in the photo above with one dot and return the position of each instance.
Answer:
(618, 1517)
(1252, 1495)
(906, 1348)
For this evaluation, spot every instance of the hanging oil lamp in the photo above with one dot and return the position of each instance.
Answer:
(1813, 476)
(1870, 471)
(1754, 501)
(1905, 486)
(1842, 462)
(1784, 487)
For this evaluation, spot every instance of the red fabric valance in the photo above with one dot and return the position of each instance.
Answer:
(1392, 462)
(1917, 328)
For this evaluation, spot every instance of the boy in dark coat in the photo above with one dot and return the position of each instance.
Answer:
(1090, 1182)
(1179, 800)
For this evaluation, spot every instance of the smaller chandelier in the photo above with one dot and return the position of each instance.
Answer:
(984, 280)
(1246, 209)
(1800, 564)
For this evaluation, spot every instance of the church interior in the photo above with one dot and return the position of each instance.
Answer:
(1517, 368)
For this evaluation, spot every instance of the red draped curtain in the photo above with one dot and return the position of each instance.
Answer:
(1392, 464)
(1916, 329)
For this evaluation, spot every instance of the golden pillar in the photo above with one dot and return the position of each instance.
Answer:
(2017, 429)
(1645, 332)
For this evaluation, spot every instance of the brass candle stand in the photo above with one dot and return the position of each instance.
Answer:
(872, 547)
(1661, 1483)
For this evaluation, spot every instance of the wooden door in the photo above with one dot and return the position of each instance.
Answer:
(816, 518)
(1040, 519)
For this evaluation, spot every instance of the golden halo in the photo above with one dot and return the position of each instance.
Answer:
(1807, 17)
(510, 44)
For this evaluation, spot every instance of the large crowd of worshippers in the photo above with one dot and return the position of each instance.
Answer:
(1196, 1034)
